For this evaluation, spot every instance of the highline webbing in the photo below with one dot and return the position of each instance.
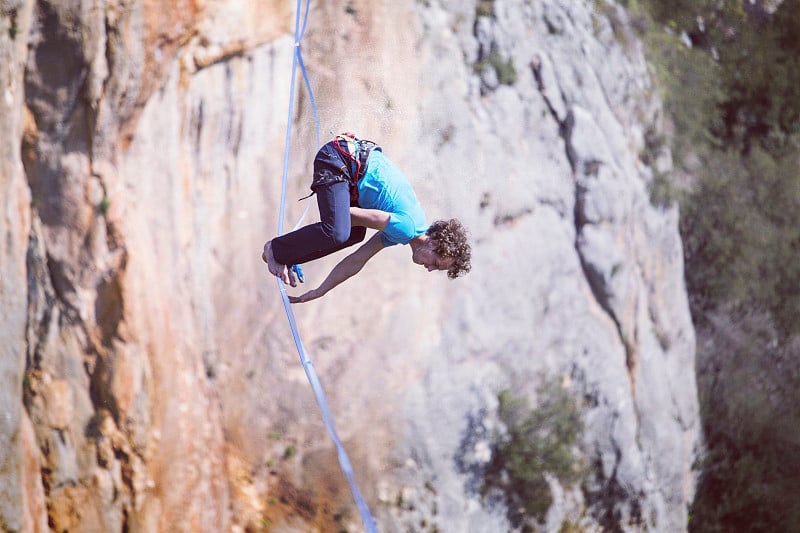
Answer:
(308, 366)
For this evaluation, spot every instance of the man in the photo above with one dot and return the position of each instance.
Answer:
(357, 187)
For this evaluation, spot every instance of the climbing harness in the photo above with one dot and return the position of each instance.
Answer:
(308, 366)
(357, 152)
(353, 150)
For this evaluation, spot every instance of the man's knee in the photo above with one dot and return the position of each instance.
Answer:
(357, 234)
(337, 233)
(340, 235)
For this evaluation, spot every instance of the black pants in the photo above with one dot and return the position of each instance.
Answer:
(333, 232)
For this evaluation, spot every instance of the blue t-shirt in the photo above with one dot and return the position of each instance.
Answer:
(385, 188)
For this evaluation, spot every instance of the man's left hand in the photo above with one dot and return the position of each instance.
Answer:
(313, 294)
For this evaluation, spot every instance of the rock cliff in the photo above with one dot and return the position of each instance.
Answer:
(149, 381)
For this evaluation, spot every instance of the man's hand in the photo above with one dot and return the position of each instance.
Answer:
(292, 276)
(344, 269)
(313, 294)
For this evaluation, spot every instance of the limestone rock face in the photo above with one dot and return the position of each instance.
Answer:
(21, 501)
(149, 378)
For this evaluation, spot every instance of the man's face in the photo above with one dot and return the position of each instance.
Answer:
(427, 257)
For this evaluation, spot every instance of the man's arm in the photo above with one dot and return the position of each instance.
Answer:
(345, 269)
(369, 218)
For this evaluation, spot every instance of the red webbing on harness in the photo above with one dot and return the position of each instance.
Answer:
(354, 158)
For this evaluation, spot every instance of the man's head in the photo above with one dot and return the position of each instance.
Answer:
(449, 242)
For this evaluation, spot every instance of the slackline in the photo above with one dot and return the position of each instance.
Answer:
(308, 365)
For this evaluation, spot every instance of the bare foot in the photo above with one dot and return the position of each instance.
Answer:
(275, 268)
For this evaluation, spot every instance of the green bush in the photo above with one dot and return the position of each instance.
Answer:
(760, 75)
(506, 73)
(753, 55)
(537, 441)
(752, 466)
(504, 67)
(484, 8)
(688, 79)
(734, 100)
(741, 231)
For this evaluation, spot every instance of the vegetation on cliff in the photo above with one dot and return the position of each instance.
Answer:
(731, 83)
(537, 443)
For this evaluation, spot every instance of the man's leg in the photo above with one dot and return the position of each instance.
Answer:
(357, 234)
(332, 233)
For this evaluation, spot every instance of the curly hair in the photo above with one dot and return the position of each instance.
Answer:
(451, 241)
